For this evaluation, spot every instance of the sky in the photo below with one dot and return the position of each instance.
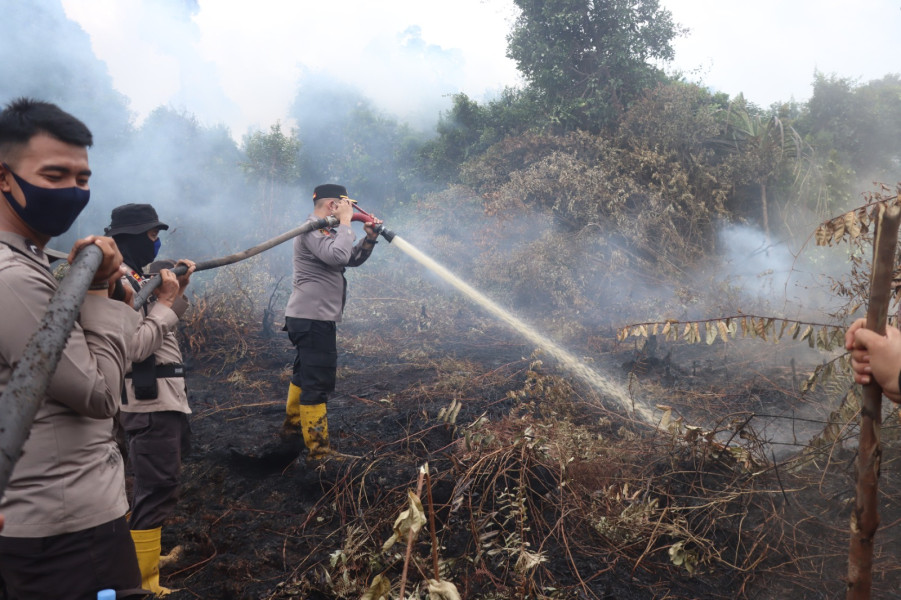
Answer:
(240, 63)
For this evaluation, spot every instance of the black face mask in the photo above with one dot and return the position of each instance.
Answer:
(50, 211)
(137, 250)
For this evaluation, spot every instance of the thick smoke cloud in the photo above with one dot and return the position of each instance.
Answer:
(191, 172)
(406, 56)
(48, 56)
(178, 154)
(153, 49)
(180, 157)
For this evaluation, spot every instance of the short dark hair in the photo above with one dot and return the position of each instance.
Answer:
(24, 118)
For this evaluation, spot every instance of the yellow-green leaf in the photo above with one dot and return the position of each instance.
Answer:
(839, 229)
(851, 224)
(379, 590)
(822, 236)
(760, 328)
(409, 521)
(724, 330)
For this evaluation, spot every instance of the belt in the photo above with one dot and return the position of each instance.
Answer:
(165, 371)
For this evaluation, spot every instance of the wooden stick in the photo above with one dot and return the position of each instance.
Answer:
(428, 488)
(865, 518)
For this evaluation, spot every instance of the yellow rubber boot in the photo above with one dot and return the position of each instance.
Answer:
(147, 547)
(314, 424)
(292, 410)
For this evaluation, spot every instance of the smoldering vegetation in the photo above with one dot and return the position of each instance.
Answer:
(669, 242)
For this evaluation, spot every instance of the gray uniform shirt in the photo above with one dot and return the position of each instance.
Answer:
(319, 260)
(70, 476)
(157, 336)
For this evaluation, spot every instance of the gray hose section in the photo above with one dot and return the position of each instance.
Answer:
(154, 282)
(31, 377)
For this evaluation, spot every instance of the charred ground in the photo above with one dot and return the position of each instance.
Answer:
(540, 488)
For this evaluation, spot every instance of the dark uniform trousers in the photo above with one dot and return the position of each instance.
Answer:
(157, 442)
(316, 363)
(71, 566)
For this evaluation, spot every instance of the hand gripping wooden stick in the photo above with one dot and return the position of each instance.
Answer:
(865, 518)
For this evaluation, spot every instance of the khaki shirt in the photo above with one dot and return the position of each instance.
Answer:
(70, 476)
(157, 336)
(320, 257)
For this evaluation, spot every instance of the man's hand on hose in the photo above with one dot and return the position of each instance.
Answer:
(875, 357)
(344, 210)
(184, 280)
(110, 269)
(372, 235)
(169, 288)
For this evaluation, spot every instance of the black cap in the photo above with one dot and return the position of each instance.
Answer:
(133, 218)
(329, 190)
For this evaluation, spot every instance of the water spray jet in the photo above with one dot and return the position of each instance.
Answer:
(566, 359)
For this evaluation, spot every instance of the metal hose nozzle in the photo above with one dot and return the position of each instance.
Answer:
(384, 231)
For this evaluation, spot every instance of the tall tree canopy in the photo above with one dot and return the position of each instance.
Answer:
(860, 123)
(272, 160)
(591, 58)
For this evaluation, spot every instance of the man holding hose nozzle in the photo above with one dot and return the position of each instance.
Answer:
(65, 532)
(155, 404)
(315, 306)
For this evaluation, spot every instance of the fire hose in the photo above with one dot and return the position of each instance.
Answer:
(359, 215)
(31, 377)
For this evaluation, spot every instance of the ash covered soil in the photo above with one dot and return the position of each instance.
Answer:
(540, 489)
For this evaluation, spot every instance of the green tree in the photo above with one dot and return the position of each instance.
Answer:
(857, 126)
(272, 161)
(349, 141)
(468, 129)
(458, 131)
(589, 59)
(762, 147)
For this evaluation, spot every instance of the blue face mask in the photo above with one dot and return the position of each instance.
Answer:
(50, 211)
(157, 244)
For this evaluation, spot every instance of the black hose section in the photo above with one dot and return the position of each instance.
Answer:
(154, 282)
(31, 377)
